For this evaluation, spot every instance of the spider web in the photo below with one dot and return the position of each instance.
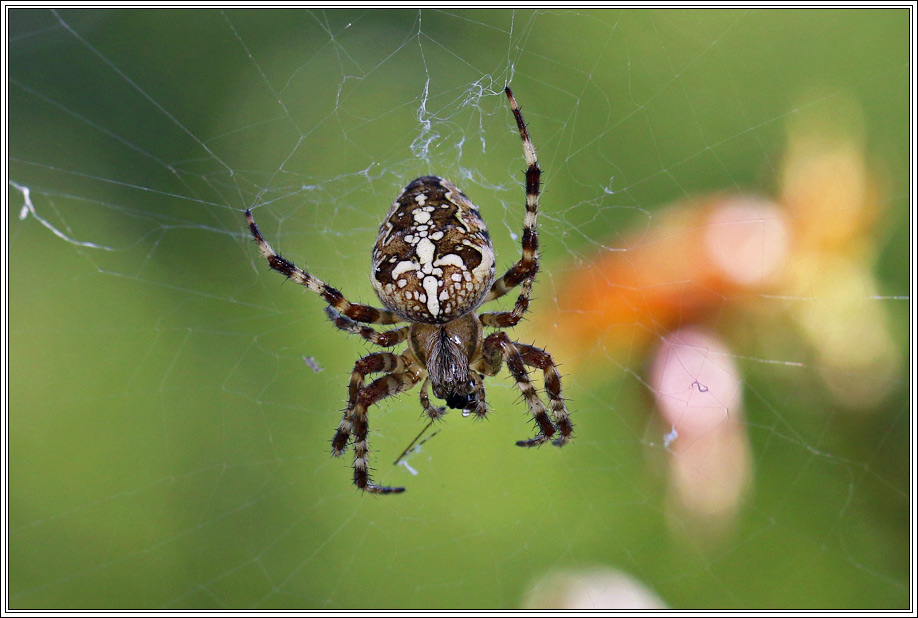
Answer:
(725, 283)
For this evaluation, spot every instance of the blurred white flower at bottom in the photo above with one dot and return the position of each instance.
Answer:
(595, 588)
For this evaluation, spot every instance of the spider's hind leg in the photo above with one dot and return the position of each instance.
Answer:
(528, 264)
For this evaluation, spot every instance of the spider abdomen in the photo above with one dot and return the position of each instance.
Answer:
(433, 260)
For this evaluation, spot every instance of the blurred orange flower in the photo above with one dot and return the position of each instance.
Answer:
(741, 264)
(789, 278)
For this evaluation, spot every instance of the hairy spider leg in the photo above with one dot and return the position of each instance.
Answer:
(356, 312)
(507, 319)
(380, 388)
(540, 359)
(377, 362)
(384, 339)
(528, 264)
(499, 348)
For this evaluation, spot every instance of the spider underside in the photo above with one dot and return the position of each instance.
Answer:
(433, 267)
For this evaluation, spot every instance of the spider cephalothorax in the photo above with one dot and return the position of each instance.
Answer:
(433, 267)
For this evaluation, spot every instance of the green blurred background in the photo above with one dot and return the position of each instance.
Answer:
(168, 442)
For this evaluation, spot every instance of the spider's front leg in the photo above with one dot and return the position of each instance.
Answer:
(335, 299)
(384, 339)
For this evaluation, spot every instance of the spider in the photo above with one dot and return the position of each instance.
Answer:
(433, 267)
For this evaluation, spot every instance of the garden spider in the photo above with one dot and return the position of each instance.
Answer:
(433, 267)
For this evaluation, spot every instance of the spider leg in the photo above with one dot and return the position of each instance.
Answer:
(540, 359)
(356, 312)
(380, 388)
(506, 319)
(498, 347)
(384, 339)
(528, 264)
(377, 362)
